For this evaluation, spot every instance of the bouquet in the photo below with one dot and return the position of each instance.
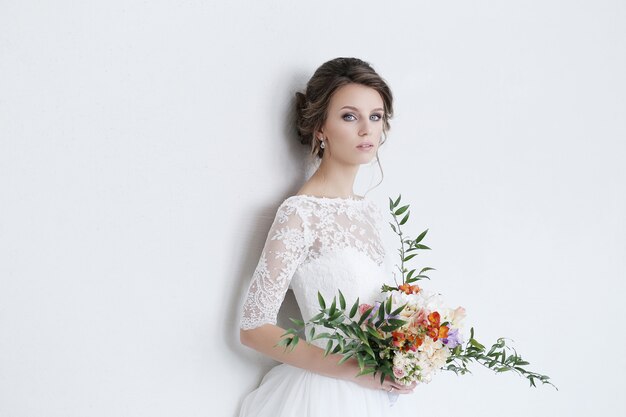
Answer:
(409, 334)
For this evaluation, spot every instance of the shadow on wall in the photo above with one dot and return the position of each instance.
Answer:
(254, 233)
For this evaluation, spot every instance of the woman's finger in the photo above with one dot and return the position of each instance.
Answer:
(403, 389)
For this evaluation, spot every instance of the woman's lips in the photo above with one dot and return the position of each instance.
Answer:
(365, 146)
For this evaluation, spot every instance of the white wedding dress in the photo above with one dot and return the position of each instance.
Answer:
(316, 244)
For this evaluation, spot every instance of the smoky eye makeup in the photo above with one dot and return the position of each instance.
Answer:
(351, 116)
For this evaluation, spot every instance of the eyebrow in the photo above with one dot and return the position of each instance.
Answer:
(355, 109)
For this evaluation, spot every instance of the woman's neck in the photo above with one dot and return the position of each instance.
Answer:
(334, 180)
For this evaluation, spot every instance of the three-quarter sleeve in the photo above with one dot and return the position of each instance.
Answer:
(285, 248)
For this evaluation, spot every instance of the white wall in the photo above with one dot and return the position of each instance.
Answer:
(144, 148)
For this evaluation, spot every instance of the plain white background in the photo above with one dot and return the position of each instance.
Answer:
(145, 146)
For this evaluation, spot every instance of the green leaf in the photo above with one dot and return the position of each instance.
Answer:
(283, 342)
(381, 312)
(370, 351)
(354, 330)
(390, 204)
(398, 310)
(361, 334)
(420, 277)
(365, 314)
(421, 236)
(317, 317)
(329, 346)
(359, 359)
(320, 299)
(373, 332)
(354, 308)
(475, 343)
(396, 322)
(324, 335)
(342, 301)
(401, 210)
(333, 307)
(345, 357)
(411, 256)
(405, 218)
(395, 204)
(393, 227)
(289, 332)
(388, 305)
(297, 322)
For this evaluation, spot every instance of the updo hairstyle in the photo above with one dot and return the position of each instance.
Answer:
(312, 105)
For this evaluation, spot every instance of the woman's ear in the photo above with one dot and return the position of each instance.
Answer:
(319, 134)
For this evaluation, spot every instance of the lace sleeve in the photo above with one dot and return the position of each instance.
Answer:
(285, 248)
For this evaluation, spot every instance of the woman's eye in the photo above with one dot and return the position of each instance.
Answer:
(349, 117)
(376, 117)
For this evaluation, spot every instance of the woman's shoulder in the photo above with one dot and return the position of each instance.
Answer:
(319, 199)
(306, 204)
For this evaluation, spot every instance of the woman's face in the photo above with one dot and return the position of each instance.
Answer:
(354, 125)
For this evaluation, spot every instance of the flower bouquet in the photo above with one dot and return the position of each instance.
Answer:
(409, 335)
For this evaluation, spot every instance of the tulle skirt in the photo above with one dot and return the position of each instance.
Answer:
(287, 391)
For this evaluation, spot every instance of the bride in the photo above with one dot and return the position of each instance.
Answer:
(325, 238)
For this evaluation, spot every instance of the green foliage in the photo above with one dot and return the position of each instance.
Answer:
(499, 359)
(353, 336)
(407, 245)
(368, 339)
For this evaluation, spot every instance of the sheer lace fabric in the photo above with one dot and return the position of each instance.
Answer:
(316, 244)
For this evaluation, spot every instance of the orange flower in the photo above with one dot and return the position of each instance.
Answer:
(419, 341)
(409, 289)
(434, 318)
(398, 339)
(443, 332)
(433, 332)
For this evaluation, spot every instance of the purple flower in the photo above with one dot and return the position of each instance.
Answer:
(453, 340)
(377, 306)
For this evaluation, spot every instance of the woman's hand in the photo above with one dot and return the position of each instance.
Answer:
(373, 382)
(388, 385)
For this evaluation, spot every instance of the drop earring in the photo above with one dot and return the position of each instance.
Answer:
(322, 144)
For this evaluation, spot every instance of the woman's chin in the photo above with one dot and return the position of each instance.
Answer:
(367, 159)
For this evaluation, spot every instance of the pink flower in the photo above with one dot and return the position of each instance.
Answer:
(421, 318)
(363, 308)
(398, 372)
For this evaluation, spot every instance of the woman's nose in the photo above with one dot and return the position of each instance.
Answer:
(365, 128)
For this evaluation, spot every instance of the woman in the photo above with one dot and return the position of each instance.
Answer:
(324, 238)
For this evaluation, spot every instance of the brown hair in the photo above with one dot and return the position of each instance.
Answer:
(312, 105)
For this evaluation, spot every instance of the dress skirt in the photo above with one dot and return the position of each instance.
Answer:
(288, 391)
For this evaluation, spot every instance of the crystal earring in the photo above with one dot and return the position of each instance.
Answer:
(322, 144)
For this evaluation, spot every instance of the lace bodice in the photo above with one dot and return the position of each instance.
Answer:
(317, 244)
